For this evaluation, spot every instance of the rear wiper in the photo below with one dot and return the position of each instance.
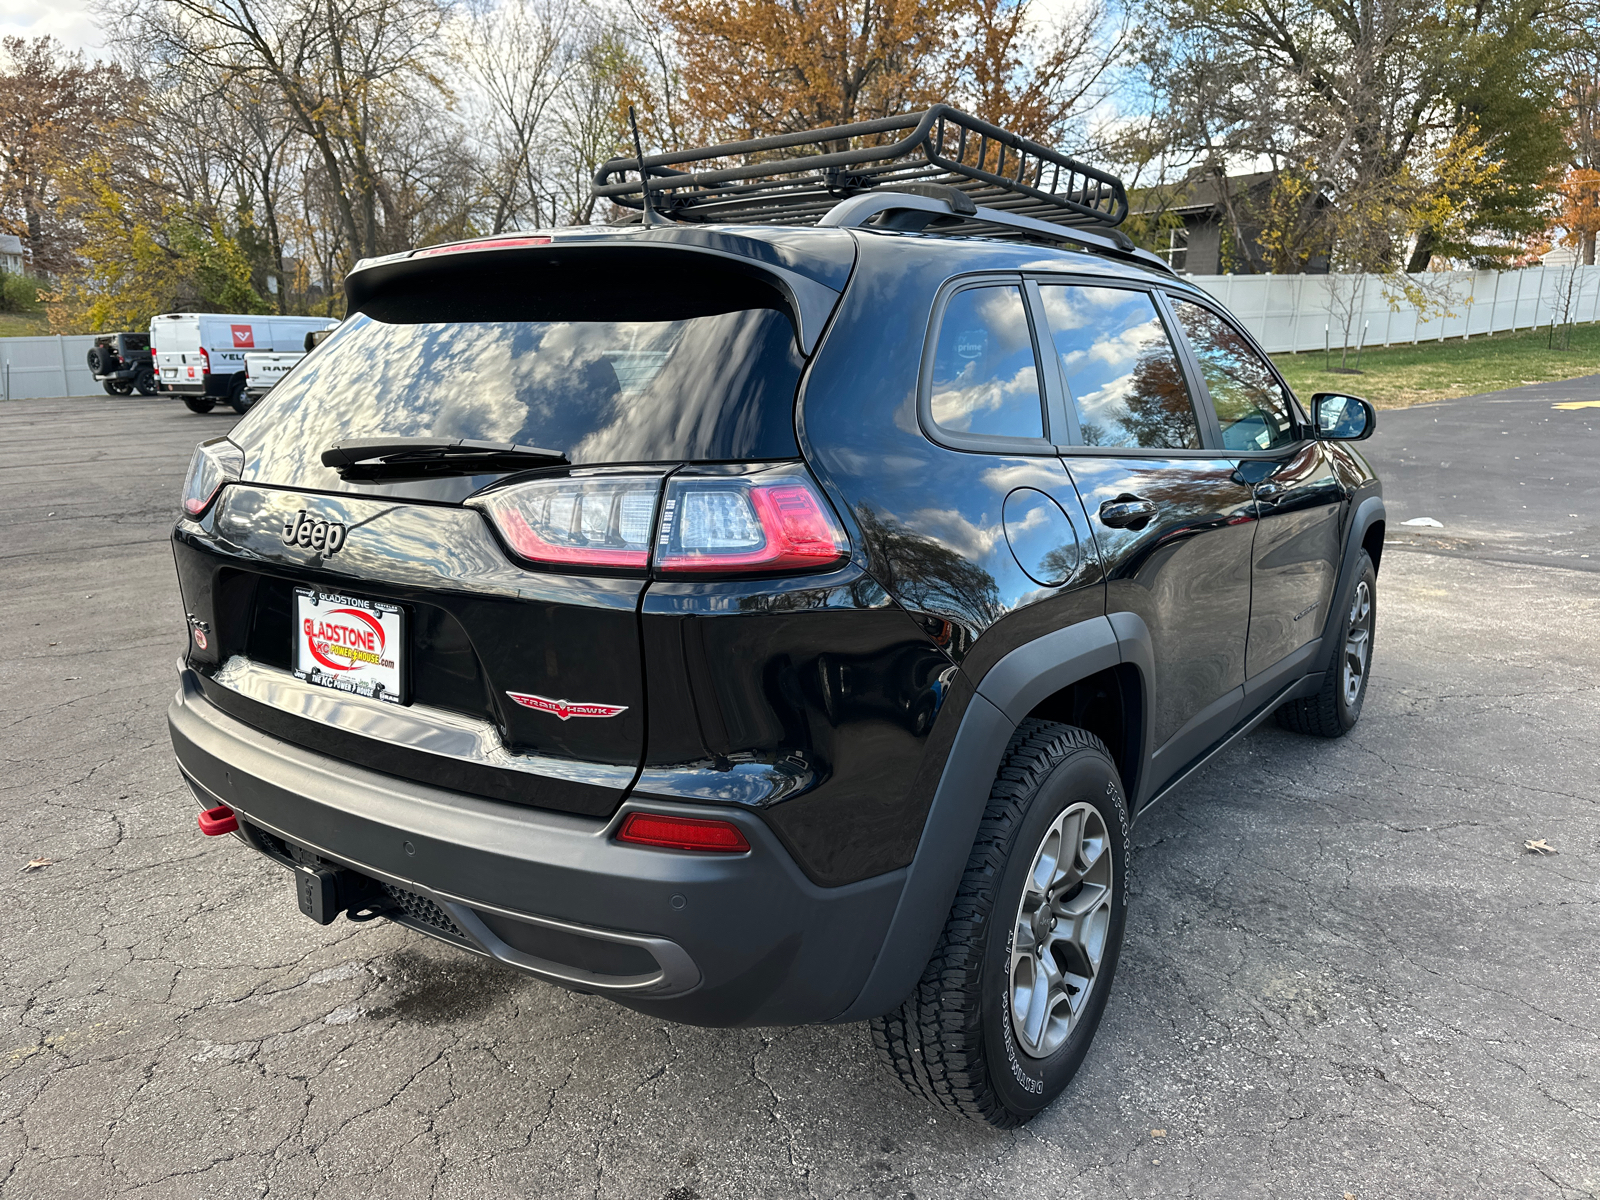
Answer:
(417, 457)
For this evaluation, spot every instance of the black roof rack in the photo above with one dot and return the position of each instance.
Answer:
(754, 182)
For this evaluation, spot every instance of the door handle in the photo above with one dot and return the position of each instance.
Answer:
(1268, 490)
(1127, 511)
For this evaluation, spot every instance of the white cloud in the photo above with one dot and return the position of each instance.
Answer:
(69, 21)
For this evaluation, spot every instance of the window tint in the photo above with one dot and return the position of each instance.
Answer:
(1121, 369)
(985, 379)
(1250, 403)
(706, 388)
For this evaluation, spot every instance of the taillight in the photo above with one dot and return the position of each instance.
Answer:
(770, 520)
(205, 360)
(682, 833)
(214, 463)
(773, 521)
(586, 521)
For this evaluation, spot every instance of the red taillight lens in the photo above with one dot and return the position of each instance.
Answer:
(586, 521)
(505, 243)
(682, 833)
(205, 360)
(214, 463)
(738, 524)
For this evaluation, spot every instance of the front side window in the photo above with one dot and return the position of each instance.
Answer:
(1120, 368)
(1251, 404)
(985, 379)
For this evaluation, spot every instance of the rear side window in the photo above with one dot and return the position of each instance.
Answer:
(706, 388)
(985, 378)
(1120, 368)
(1251, 405)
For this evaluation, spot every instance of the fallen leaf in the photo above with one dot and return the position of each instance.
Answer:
(1539, 847)
(1349, 1196)
(1158, 1133)
(36, 864)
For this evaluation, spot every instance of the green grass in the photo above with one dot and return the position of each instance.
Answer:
(1397, 376)
(23, 324)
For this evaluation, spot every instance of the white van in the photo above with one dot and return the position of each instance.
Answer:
(200, 356)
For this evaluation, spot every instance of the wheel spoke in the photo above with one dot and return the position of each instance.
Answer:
(1063, 917)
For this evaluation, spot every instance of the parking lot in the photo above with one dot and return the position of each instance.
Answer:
(1345, 975)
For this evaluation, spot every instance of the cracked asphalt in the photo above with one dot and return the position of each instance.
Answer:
(1344, 975)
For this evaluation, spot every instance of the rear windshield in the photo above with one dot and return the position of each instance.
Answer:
(705, 388)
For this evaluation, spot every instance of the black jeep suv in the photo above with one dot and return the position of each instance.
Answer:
(757, 623)
(123, 362)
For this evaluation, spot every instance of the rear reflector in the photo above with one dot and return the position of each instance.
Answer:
(505, 243)
(215, 822)
(682, 833)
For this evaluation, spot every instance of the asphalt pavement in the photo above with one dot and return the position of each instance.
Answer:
(1344, 976)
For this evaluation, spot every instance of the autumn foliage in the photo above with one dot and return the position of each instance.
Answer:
(758, 67)
(1580, 210)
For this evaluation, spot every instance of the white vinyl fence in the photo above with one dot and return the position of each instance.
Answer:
(1304, 312)
(31, 367)
(1284, 312)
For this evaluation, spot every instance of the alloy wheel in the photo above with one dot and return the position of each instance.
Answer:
(1059, 936)
(1357, 643)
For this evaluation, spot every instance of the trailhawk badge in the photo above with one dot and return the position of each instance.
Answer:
(566, 709)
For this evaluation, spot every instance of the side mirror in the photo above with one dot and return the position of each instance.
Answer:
(1343, 418)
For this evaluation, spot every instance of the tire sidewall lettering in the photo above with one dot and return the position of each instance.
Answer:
(1030, 1081)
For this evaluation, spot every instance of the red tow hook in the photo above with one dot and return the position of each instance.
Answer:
(215, 822)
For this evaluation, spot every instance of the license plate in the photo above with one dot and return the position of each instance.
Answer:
(350, 645)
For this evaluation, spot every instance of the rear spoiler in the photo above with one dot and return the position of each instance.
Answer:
(633, 274)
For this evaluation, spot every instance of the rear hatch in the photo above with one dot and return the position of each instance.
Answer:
(178, 360)
(509, 656)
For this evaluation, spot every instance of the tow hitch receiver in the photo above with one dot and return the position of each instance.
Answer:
(215, 822)
(317, 891)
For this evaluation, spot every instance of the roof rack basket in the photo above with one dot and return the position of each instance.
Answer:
(756, 182)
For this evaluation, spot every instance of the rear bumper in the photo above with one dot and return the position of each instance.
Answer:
(731, 939)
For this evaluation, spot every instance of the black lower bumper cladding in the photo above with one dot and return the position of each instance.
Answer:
(742, 939)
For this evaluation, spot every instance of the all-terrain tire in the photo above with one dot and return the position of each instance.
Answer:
(953, 1040)
(199, 404)
(145, 382)
(1336, 707)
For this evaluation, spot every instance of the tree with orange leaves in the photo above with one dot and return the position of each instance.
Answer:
(55, 108)
(758, 67)
(1580, 211)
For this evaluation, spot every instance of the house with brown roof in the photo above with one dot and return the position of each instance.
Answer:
(1210, 224)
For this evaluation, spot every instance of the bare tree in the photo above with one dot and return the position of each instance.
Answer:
(518, 56)
(344, 69)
